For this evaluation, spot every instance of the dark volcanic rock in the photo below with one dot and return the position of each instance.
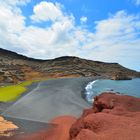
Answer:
(120, 76)
(113, 117)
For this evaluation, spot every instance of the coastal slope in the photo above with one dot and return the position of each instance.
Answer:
(15, 68)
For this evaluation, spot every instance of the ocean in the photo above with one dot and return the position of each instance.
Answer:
(124, 87)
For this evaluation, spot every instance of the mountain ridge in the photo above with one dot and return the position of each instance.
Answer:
(15, 68)
(3, 51)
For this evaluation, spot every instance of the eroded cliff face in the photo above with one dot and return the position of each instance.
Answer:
(15, 68)
(113, 117)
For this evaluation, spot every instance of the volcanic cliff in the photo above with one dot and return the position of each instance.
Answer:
(113, 117)
(15, 68)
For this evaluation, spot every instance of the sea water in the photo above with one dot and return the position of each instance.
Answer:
(127, 87)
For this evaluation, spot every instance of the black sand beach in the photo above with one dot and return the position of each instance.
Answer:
(51, 99)
(28, 126)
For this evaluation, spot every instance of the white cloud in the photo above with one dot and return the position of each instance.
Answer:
(118, 27)
(115, 38)
(11, 21)
(46, 11)
(15, 2)
(83, 19)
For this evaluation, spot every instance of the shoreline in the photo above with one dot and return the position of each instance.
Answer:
(57, 97)
(73, 90)
(76, 87)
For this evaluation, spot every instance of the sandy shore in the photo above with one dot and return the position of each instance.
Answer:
(51, 99)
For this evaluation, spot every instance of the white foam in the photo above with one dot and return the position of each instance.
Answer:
(89, 90)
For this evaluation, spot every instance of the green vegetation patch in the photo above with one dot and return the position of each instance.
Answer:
(12, 92)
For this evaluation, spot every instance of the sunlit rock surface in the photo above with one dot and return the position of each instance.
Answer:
(6, 127)
(113, 117)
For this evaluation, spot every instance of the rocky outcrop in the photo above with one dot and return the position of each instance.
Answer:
(120, 76)
(113, 117)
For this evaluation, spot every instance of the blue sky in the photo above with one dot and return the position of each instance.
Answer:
(93, 10)
(103, 30)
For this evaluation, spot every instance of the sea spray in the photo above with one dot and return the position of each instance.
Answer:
(89, 91)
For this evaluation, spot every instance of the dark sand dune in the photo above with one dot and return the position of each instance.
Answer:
(51, 99)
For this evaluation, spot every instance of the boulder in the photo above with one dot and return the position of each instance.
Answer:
(120, 76)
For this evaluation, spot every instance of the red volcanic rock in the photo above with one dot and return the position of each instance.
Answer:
(86, 134)
(113, 102)
(113, 117)
(61, 132)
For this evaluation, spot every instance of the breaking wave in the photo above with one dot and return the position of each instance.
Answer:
(89, 91)
(124, 87)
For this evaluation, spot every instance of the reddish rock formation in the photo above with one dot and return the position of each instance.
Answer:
(113, 117)
(62, 131)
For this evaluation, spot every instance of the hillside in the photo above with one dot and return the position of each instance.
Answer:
(15, 68)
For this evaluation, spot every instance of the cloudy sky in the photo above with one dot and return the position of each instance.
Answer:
(104, 30)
